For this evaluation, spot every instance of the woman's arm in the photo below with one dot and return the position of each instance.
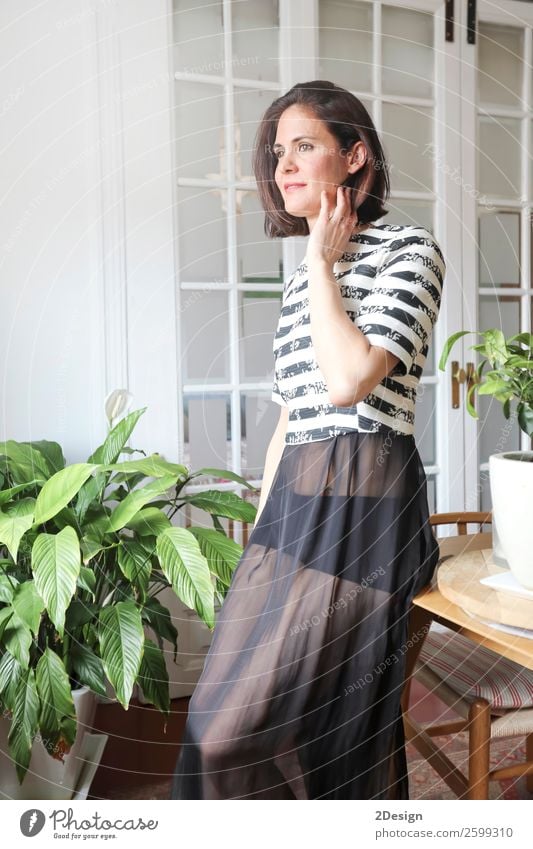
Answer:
(273, 455)
(351, 366)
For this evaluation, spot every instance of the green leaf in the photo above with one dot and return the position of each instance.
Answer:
(495, 346)
(57, 705)
(26, 462)
(153, 466)
(28, 605)
(7, 494)
(15, 520)
(8, 584)
(24, 723)
(90, 492)
(186, 568)
(88, 668)
(110, 449)
(56, 561)
(10, 675)
(469, 405)
(150, 521)
(79, 613)
(160, 620)
(525, 418)
(225, 475)
(52, 453)
(17, 639)
(226, 504)
(221, 552)
(5, 616)
(153, 676)
(87, 580)
(448, 345)
(131, 505)
(60, 489)
(491, 387)
(121, 646)
(135, 565)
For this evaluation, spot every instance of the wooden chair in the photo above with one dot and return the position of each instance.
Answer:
(480, 718)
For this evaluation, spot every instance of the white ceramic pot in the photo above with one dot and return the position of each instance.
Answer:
(511, 487)
(47, 778)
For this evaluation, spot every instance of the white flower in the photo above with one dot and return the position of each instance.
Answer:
(117, 404)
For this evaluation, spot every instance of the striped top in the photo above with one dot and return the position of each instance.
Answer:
(391, 282)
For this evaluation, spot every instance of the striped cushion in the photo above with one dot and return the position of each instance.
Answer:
(475, 671)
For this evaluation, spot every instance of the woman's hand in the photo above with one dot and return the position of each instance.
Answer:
(333, 228)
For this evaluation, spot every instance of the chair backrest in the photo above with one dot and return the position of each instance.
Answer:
(449, 546)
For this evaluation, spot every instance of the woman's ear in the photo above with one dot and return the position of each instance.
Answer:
(356, 157)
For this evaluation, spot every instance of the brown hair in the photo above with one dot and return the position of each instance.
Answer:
(348, 121)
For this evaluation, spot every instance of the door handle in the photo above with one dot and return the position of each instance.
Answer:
(458, 377)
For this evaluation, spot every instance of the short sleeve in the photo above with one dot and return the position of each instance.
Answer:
(401, 309)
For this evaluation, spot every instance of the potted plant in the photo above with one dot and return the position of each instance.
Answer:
(85, 549)
(509, 378)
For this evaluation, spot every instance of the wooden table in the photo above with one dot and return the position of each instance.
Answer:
(443, 610)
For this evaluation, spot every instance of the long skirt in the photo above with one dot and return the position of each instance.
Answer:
(299, 697)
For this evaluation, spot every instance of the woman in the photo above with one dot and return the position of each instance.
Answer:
(300, 692)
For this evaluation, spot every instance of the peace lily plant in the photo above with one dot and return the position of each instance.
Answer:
(509, 379)
(85, 549)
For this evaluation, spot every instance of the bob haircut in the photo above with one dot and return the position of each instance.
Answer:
(348, 121)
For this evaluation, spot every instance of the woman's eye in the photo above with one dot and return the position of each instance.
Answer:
(278, 153)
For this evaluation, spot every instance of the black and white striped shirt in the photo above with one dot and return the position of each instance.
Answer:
(391, 280)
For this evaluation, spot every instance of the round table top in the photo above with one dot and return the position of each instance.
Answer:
(458, 580)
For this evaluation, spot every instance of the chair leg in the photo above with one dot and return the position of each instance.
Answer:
(529, 757)
(479, 750)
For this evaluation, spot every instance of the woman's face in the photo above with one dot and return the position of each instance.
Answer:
(309, 161)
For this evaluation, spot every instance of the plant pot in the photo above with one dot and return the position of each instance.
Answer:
(46, 777)
(511, 487)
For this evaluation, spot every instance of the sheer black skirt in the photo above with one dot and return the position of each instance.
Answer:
(299, 697)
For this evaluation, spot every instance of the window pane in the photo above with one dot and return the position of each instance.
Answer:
(425, 417)
(500, 64)
(255, 27)
(259, 258)
(198, 36)
(258, 316)
(409, 212)
(496, 433)
(345, 44)
(202, 234)
(499, 249)
(407, 135)
(205, 336)
(207, 431)
(199, 130)
(499, 156)
(407, 52)
(259, 419)
(249, 107)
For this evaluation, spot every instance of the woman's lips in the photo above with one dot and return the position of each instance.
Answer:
(294, 186)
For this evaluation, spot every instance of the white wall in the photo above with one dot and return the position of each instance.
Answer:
(86, 240)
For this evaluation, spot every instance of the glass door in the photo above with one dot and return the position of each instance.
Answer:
(397, 59)
(497, 143)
